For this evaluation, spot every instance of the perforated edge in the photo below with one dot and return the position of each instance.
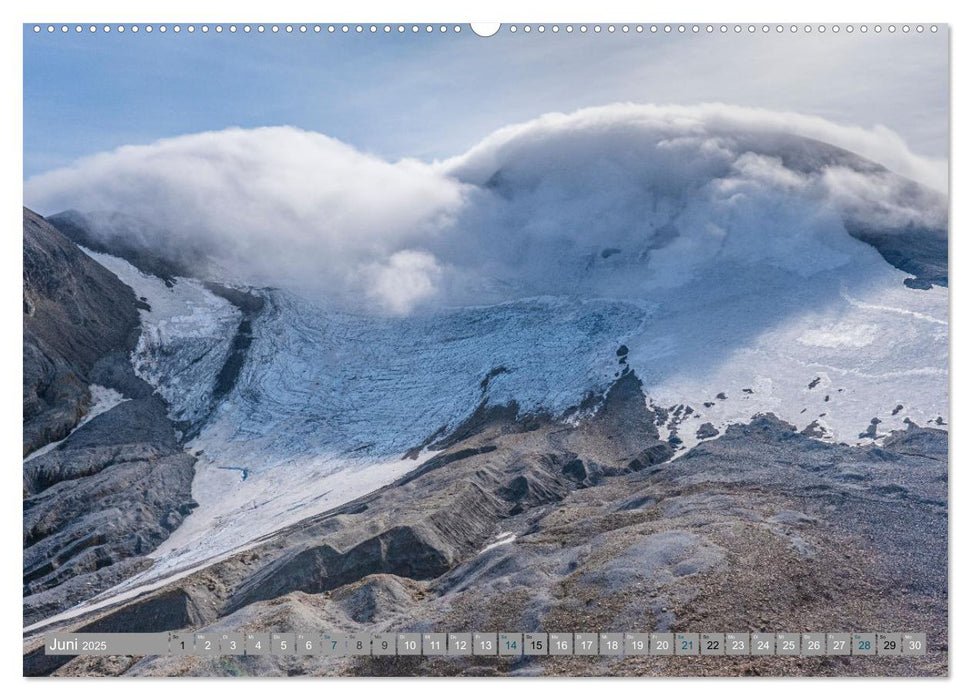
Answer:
(567, 29)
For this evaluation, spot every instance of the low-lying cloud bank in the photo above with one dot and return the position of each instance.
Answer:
(603, 198)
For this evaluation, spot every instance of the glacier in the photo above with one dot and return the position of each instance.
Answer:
(723, 260)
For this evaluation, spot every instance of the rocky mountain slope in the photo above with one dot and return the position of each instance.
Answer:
(549, 527)
(111, 480)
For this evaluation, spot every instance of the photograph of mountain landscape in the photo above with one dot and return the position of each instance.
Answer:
(571, 329)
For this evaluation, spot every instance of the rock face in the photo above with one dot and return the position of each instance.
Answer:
(97, 503)
(75, 312)
(919, 251)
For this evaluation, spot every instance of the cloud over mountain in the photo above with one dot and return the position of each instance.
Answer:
(606, 198)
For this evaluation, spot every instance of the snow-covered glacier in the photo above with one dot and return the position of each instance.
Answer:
(745, 272)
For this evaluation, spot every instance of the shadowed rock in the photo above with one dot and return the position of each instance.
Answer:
(75, 312)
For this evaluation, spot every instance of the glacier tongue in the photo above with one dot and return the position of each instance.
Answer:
(327, 403)
(323, 382)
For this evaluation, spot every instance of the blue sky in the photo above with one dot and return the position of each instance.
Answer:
(434, 95)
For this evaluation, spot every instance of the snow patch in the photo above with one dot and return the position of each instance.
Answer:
(840, 335)
(503, 538)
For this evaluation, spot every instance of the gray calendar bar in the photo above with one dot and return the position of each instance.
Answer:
(501, 645)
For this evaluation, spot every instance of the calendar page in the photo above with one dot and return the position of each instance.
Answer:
(547, 349)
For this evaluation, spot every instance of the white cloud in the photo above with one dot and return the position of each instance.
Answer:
(878, 144)
(403, 281)
(534, 208)
(272, 205)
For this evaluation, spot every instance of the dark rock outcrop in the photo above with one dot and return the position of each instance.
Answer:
(919, 251)
(814, 430)
(75, 313)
